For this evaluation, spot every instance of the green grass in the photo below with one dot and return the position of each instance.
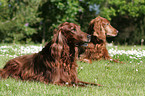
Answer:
(118, 80)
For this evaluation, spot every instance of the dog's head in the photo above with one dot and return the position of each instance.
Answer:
(73, 33)
(100, 27)
(68, 35)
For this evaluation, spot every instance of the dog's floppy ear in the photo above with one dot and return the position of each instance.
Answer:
(91, 27)
(97, 29)
(57, 45)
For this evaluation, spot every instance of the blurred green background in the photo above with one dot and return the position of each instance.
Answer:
(33, 21)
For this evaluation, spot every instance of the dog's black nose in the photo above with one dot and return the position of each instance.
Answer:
(89, 38)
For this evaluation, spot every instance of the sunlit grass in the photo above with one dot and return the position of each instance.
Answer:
(118, 79)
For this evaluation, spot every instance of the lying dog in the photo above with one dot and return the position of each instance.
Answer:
(99, 28)
(55, 64)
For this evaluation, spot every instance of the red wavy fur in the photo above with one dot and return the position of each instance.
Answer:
(99, 28)
(55, 63)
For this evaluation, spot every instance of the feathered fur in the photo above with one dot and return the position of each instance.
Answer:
(99, 28)
(55, 64)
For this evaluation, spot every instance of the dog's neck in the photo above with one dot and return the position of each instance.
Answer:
(96, 40)
(68, 52)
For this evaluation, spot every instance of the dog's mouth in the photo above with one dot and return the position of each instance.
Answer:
(111, 35)
(82, 44)
(89, 38)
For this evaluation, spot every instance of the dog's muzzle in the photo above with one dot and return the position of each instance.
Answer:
(84, 45)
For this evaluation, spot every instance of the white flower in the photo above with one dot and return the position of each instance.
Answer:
(66, 83)
(81, 67)
(130, 57)
(136, 69)
(7, 85)
(111, 59)
(74, 85)
(96, 80)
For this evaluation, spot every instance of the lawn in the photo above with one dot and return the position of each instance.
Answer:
(118, 79)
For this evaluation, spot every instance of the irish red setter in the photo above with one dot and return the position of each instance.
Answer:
(99, 28)
(56, 63)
